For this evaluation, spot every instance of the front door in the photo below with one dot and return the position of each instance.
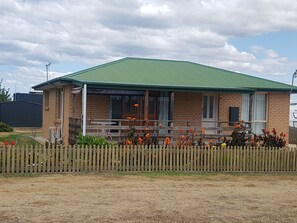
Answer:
(210, 113)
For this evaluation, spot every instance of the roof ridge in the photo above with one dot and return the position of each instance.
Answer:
(155, 59)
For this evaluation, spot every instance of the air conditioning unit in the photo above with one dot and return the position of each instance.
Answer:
(55, 134)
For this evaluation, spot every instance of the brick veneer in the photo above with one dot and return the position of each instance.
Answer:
(278, 112)
(188, 106)
(97, 108)
(49, 112)
(226, 101)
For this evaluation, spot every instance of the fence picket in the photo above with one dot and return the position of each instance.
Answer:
(55, 159)
(8, 158)
(294, 161)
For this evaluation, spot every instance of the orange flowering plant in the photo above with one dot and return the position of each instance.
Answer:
(9, 143)
(238, 137)
(137, 138)
(191, 137)
(167, 141)
(271, 139)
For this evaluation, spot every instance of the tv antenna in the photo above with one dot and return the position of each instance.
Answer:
(47, 68)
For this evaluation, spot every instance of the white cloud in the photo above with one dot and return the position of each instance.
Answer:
(149, 9)
(91, 32)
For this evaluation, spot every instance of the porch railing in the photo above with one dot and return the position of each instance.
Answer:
(114, 129)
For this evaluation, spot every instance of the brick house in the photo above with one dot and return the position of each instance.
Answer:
(99, 100)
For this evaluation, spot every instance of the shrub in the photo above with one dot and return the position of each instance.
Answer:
(145, 138)
(271, 139)
(191, 137)
(5, 127)
(91, 141)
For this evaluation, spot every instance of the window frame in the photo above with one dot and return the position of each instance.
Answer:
(252, 116)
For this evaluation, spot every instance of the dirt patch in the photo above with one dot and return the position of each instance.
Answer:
(129, 198)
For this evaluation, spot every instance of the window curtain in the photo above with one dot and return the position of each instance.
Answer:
(163, 101)
(259, 113)
(245, 107)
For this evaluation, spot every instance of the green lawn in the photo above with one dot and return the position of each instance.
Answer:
(19, 138)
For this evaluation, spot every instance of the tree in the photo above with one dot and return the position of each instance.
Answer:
(4, 93)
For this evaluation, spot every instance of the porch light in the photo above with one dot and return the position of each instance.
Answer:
(136, 105)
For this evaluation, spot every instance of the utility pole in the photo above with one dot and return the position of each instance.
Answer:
(47, 68)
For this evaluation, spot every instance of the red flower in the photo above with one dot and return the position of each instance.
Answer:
(180, 130)
(167, 141)
(128, 142)
(139, 141)
(6, 143)
(273, 131)
(147, 136)
(203, 131)
(13, 143)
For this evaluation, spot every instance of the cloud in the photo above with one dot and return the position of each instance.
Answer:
(23, 78)
(149, 9)
(91, 32)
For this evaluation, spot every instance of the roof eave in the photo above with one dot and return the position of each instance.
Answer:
(51, 84)
(162, 87)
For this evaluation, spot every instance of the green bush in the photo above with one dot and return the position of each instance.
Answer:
(91, 141)
(5, 127)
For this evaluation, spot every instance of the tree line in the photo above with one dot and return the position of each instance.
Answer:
(4, 93)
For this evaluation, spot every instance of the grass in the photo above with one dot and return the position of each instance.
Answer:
(22, 139)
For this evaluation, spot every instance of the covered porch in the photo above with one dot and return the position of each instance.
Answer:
(111, 113)
(117, 129)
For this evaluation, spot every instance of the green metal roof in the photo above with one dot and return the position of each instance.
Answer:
(138, 73)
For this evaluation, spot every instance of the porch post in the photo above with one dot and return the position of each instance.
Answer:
(251, 96)
(171, 106)
(146, 106)
(84, 109)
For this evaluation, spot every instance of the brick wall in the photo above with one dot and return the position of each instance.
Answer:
(68, 97)
(76, 106)
(188, 106)
(226, 101)
(278, 112)
(49, 112)
(97, 108)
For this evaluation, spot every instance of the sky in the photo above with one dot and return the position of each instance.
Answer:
(254, 37)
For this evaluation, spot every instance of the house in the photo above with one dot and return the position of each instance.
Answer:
(161, 94)
(24, 111)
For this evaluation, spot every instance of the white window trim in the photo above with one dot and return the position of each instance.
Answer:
(253, 111)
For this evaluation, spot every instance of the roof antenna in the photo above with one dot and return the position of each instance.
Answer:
(47, 68)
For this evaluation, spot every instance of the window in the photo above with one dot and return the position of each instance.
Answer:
(257, 103)
(127, 104)
(116, 107)
(205, 106)
(46, 100)
(208, 106)
(134, 104)
(151, 105)
(59, 110)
